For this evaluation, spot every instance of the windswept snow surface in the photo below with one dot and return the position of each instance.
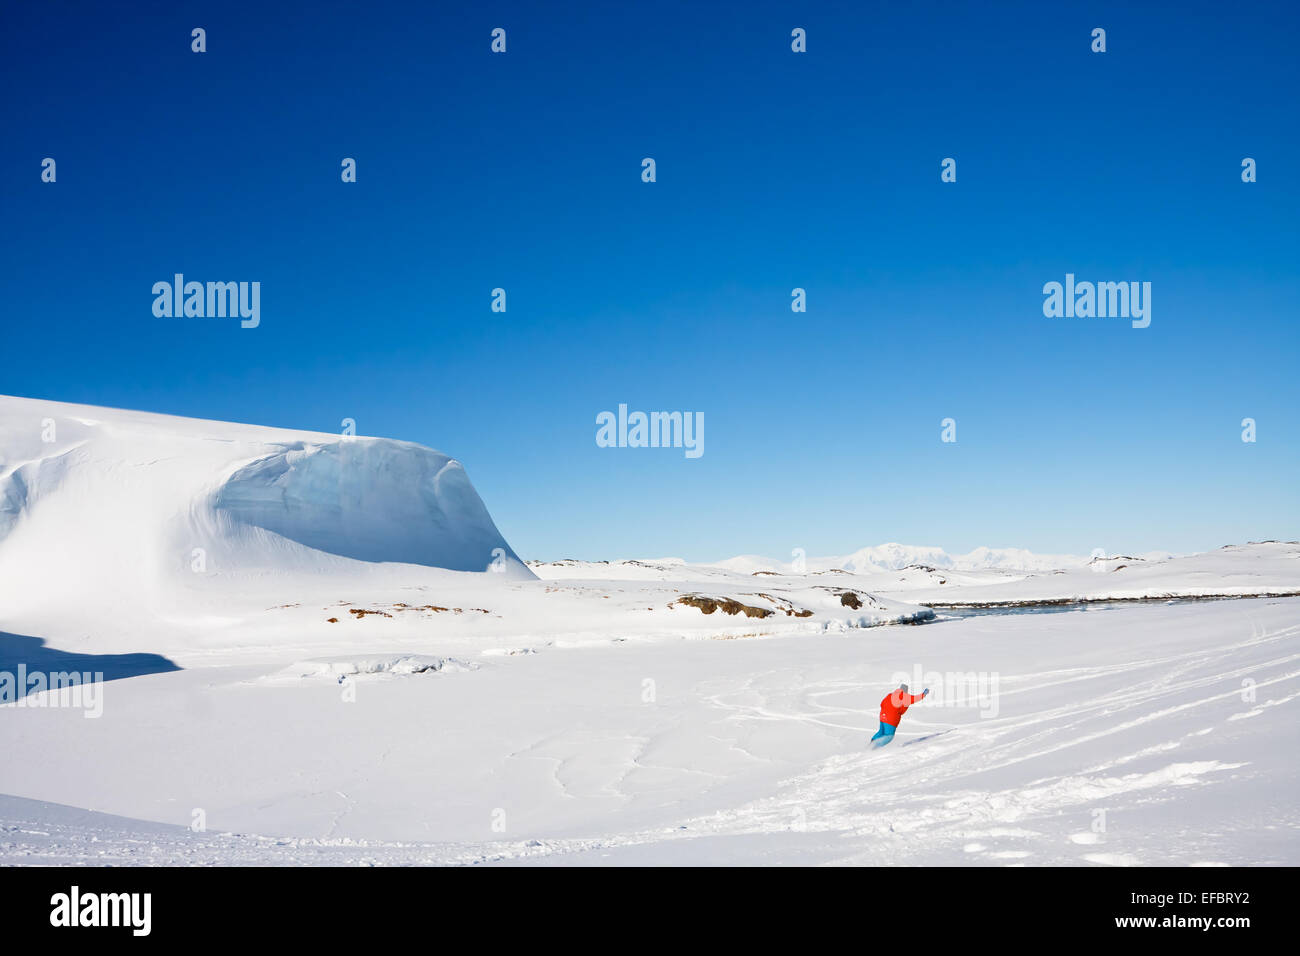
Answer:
(310, 692)
(1126, 736)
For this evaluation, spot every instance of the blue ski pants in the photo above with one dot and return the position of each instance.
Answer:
(884, 735)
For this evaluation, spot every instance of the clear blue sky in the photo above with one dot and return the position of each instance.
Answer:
(775, 170)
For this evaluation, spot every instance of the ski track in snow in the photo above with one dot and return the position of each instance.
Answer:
(920, 796)
(1140, 736)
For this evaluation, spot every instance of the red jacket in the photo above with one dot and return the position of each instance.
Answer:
(893, 707)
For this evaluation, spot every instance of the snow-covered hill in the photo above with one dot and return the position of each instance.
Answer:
(134, 506)
(1267, 568)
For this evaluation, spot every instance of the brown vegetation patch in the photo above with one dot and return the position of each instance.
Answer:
(727, 605)
(362, 612)
(454, 610)
(784, 605)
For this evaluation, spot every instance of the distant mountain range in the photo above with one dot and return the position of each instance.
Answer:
(894, 556)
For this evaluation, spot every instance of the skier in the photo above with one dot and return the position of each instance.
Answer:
(892, 709)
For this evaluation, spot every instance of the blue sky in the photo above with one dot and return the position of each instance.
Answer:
(775, 170)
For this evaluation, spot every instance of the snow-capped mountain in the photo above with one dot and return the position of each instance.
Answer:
(895, 557)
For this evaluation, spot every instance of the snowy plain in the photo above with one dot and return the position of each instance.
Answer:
(323, 650)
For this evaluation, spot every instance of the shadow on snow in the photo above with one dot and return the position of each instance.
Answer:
(31, 652)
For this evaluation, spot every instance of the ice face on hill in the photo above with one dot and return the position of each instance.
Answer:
(371, 499)
(21, 485)
(129, 504)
